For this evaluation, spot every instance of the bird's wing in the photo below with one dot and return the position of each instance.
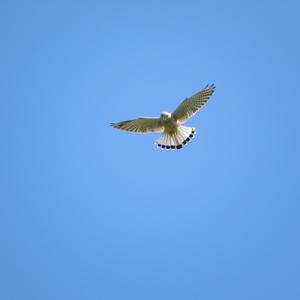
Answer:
(141, 125)
(190, 105)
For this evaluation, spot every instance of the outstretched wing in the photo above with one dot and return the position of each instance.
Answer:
(190, 105)
(141, 124)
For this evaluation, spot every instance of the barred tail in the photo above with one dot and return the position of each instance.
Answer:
(183, 135)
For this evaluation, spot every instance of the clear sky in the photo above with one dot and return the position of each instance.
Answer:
(90, 212)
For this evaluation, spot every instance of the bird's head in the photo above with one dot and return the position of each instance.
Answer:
(165, 115)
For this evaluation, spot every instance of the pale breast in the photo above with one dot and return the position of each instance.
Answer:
(170, 126)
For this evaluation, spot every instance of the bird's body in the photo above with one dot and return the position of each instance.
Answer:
(174, 135)
(169, 123)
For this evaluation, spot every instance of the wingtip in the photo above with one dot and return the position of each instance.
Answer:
(210, 86)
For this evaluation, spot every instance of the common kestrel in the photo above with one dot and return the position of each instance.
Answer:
(174, 135)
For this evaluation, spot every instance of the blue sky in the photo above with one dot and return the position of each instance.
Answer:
(90, 212)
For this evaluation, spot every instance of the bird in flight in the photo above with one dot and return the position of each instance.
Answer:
(174, 135)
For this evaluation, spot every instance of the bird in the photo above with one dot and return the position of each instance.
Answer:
(174, 135)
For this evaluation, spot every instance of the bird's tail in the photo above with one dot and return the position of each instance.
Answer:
(182, 136)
